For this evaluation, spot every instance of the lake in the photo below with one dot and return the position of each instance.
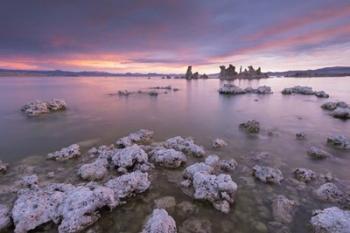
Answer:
(95, 117)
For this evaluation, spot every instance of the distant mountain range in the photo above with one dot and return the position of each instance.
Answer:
(336, 71)
(61, 73)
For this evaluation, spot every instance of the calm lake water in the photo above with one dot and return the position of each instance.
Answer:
(94, 117)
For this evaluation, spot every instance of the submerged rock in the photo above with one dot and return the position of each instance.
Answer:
(329, 192)
(30, 181)
(283, 209)
(300, 136)
(94, 171)
(3, 167)
(141, 136)
(38, 107)
(195, 225)
(251, 126)
(160, 222)
(168, 203)
(331, 220)
(129, 157)
(219, 190)
(267, 174)
(186, 145)
(218, 143)
(128, 185)
(186, 208)
(317, 153)
(339, 141)
(5, 220)
(304, 175)
(69, 152)
(169, 158)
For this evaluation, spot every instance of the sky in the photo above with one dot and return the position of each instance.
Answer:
(168, 35)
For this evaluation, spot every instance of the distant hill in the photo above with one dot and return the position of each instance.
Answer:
(61, 73)
(336, 71)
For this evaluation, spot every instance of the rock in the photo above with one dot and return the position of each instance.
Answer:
(51, 175)
(186, 145)
(80, 207)
(331, 106)
(5, 221)
(317, 153)
(251, 126)
(228, 165)
(38, 107)
(168, 158)
(185, 208)
(124, 93)
(162, 88)
(96, 170)
(219, 190)
(128, 185)
(31, 181)
(195, 225)
(141, 136)
(321, 94)
(283, 209)
(329, 192)
(339, 141)
(262, 90)
(3, 167)
(160, 222)
(231, 89)
(218, 143)
(267, 174)
(331, 220)
(197, 167)
(69, 152)
(342, 113)
(168, 203)
(304, 175)
(188, 74)
(300, 136)
(129, 157)
(35, 207)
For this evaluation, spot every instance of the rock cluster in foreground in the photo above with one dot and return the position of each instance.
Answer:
(231, 89)
(38, 107)
(337, 109)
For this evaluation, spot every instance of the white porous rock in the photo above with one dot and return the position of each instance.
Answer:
(66, 153)
(30, 181)
(262, 90)
(230, 89)
(339, 141)
(219, 143)
(331, 220)
(304, 175)
(80, 207)
(219, 190)
(168, 158)
(317, 153)
(267, 174)
(128, 185)
(38, 107)
(186, 145)
(160, 222)
(5, 220)
(341, 113)
(329, 192)
(129, 157)
(139, 137)
(34, 207)
(197, 167)
(3, 167)
(96, 170)
(283, 209)
(224, 165)
(251, 126)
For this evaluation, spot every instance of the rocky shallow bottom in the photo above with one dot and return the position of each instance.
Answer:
(169, 186)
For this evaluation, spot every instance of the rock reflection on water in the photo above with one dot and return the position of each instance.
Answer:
(93, 117)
